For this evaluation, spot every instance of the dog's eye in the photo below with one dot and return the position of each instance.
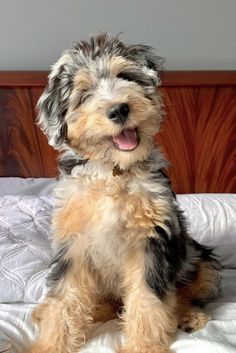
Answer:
(133, 77)
(81, 98)
(84, 96)
(125, 76)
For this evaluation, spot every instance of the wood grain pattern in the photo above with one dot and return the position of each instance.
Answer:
(198, 78)
(198, 135)
(23, 78)
(24, 150)
(168, 78)
(199, 138)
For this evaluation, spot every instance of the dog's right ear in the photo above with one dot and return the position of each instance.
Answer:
(146, 57)
(53, 104)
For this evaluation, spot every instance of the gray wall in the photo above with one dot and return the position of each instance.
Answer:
(190, 34)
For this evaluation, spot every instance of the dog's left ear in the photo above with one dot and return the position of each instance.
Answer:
(53, 103)
(145, 56)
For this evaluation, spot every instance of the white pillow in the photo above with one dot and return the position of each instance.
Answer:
(26, 186)
(211, 220)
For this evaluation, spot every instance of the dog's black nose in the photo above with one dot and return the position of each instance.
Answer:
(119, 113)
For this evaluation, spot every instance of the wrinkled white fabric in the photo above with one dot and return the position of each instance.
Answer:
(219, 335)
(26, 186)
(25, 247)
(25, 254)
(211, 220)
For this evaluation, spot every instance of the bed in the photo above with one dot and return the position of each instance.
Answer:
(198, 137)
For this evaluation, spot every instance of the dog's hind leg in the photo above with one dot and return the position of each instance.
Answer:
(206, 286)
(203, 289)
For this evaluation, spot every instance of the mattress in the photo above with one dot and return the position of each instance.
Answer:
(25, 254)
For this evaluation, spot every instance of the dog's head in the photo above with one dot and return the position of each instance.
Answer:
(101, 101)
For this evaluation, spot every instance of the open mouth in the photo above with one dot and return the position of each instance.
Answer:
(127, 140)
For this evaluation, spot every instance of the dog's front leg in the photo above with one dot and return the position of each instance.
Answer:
(149, 321)
(64, 317)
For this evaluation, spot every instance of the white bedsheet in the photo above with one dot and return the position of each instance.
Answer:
(219, 336)
(25, 254)
(25, 248)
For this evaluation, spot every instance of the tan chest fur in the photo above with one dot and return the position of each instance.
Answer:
(106, 218)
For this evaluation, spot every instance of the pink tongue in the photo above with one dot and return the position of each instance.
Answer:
(126, 140)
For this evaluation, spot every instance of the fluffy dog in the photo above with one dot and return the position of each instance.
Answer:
(120, 238)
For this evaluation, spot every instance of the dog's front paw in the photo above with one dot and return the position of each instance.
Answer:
(193, 320)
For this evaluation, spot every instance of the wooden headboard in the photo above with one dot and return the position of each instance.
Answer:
(198, 135)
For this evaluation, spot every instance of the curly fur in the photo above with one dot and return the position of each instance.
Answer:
(120, 238)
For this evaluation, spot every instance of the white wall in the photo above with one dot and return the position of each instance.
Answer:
(190, 34)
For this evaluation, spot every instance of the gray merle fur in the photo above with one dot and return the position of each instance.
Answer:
(53, 104)
(166, 254)
(59, 266)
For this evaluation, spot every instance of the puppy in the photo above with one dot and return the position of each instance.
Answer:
(120, 238)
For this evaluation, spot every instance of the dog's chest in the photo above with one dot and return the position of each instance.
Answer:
(113, 238)
(107, 217)
(121, 206)
(120, 209)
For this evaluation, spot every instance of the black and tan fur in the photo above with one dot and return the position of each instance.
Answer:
(120, 238)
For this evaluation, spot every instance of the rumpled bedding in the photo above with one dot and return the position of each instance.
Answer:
(218, 336)
(25, 254)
